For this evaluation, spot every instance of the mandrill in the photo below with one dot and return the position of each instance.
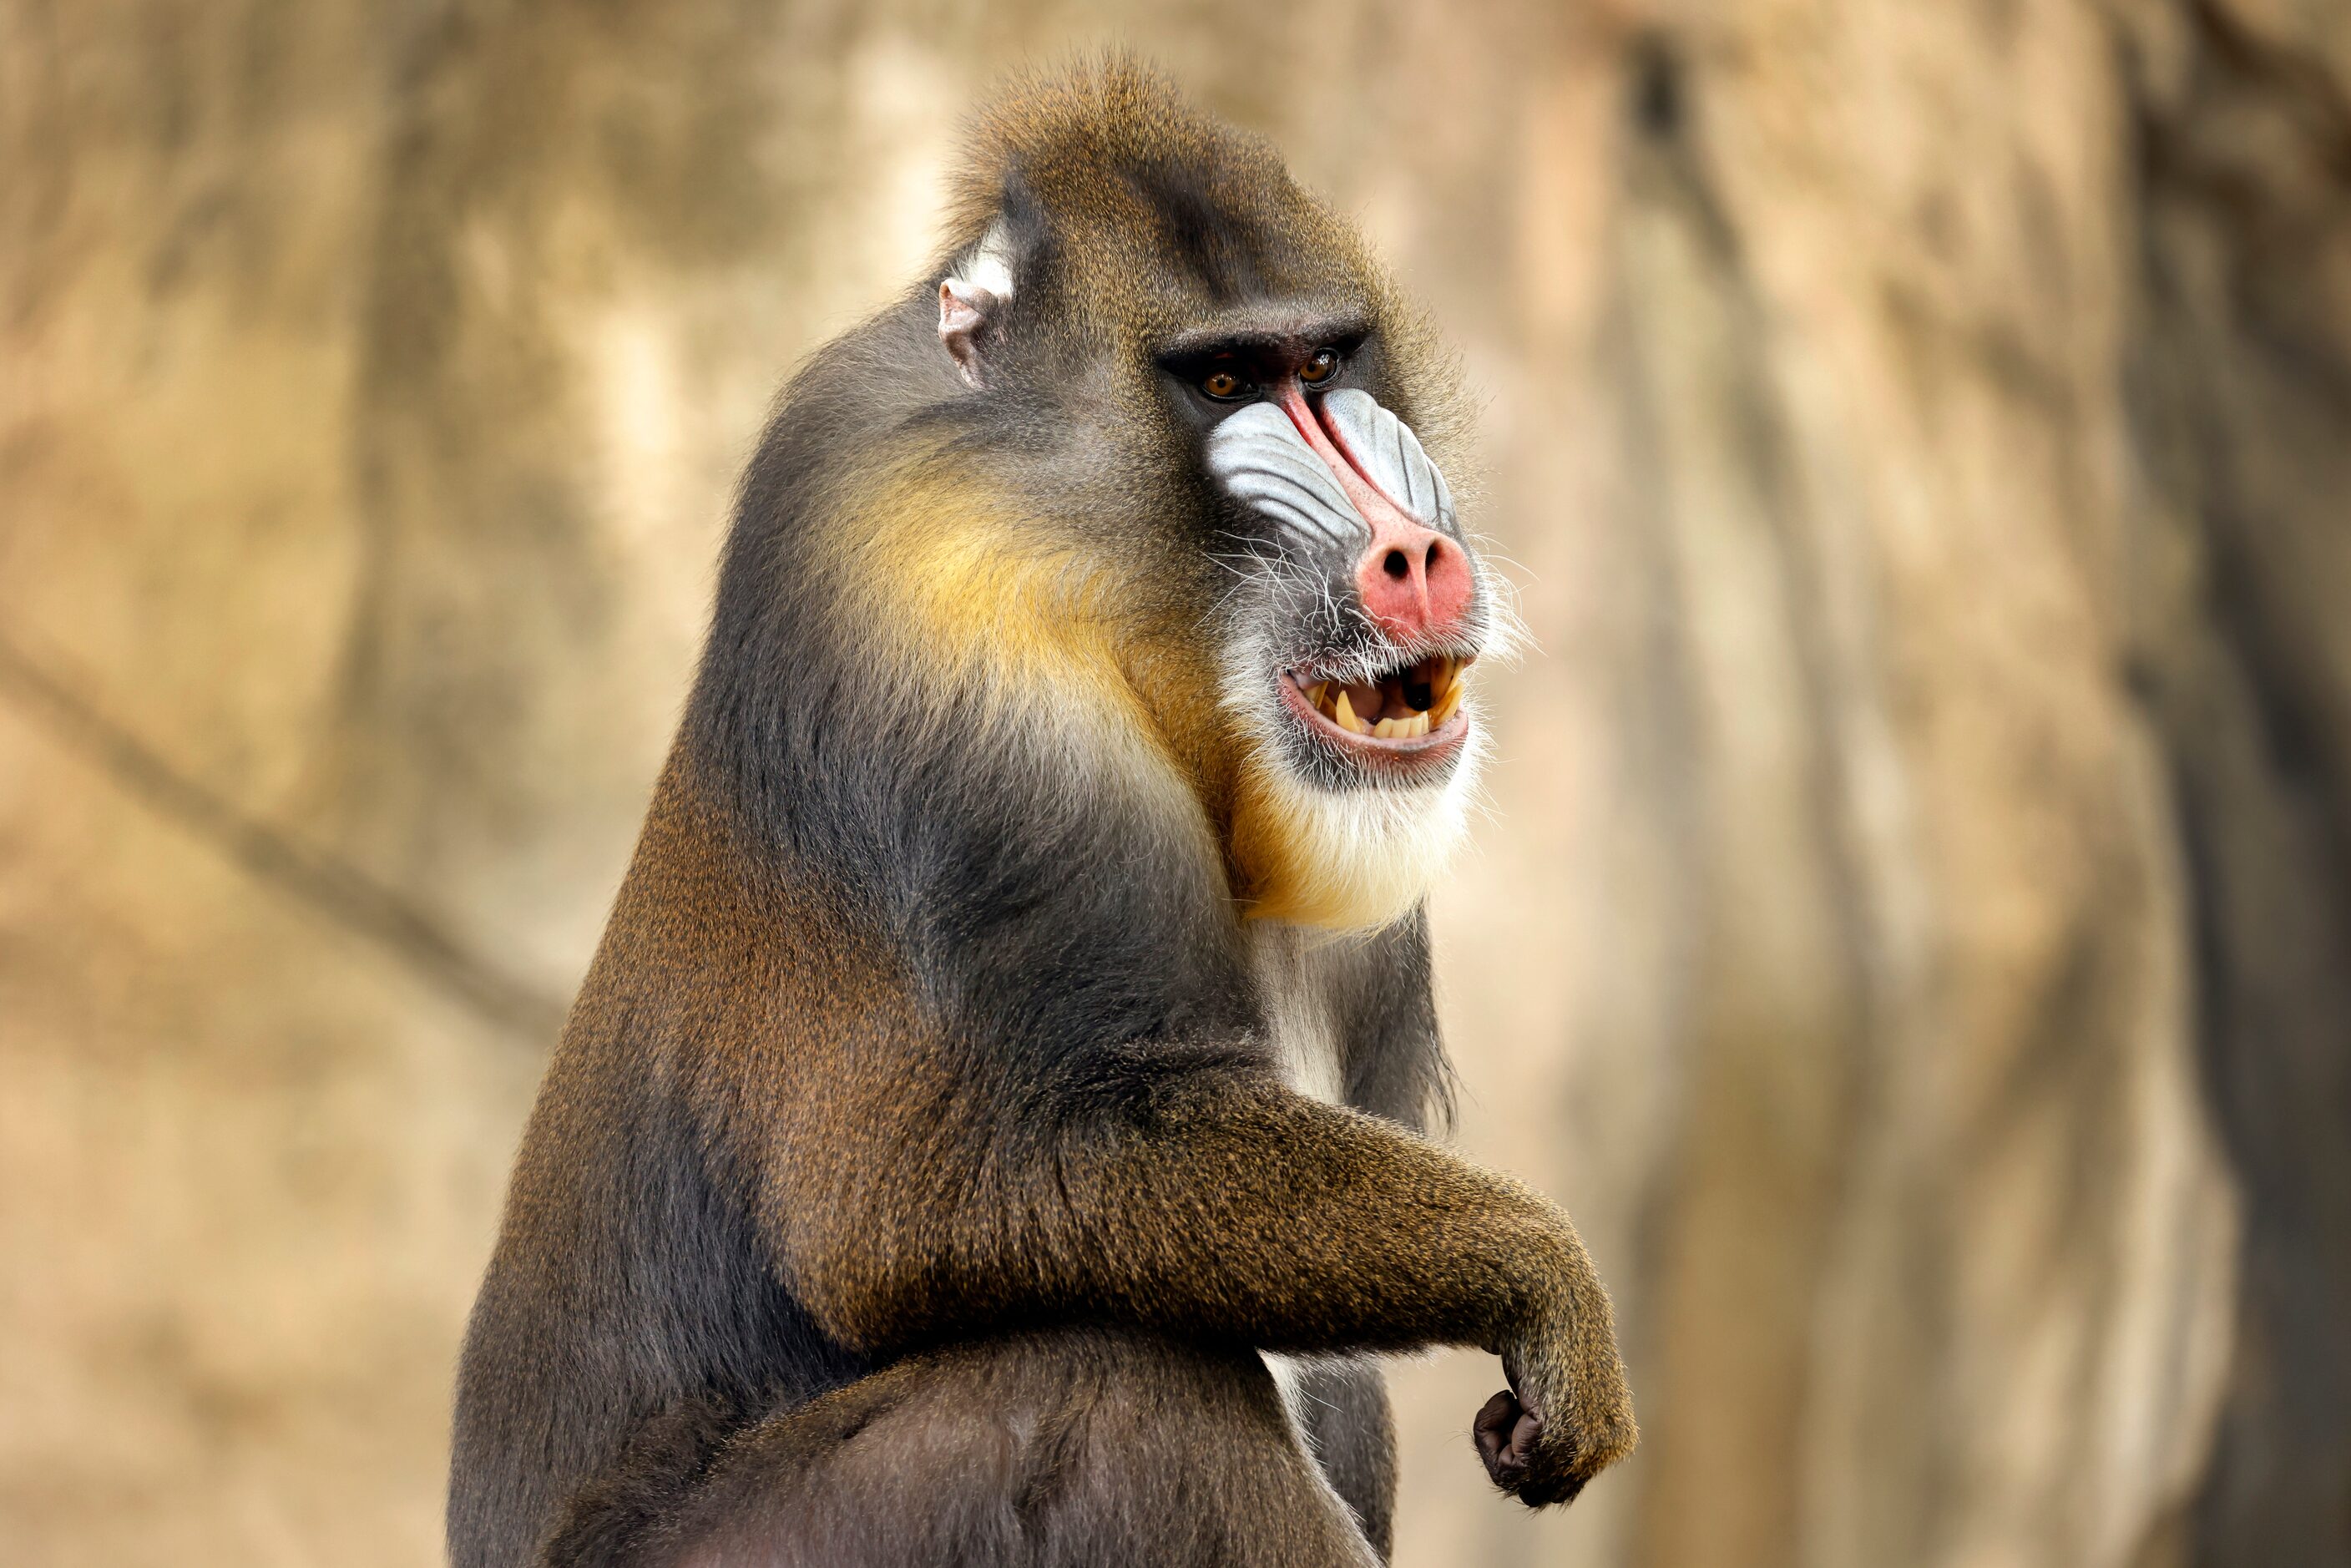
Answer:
(990, 1130)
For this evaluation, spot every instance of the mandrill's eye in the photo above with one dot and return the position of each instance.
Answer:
(1224, 384)
(1321, 368)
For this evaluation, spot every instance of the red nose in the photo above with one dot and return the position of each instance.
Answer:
(1414, 582)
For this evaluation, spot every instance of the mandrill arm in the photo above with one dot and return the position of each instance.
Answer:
(1208, 1202)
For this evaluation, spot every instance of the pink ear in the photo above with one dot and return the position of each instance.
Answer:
(963, 310)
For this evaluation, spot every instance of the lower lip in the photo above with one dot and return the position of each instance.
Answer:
(1437, 744)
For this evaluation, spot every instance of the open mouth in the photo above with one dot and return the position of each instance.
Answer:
(1410, 707)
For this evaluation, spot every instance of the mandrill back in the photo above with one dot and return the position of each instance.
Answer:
(1015, 1015)
(631, 1282)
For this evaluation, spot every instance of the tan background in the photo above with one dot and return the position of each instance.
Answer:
(1914, 929)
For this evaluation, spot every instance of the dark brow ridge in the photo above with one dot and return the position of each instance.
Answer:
(1255, 333)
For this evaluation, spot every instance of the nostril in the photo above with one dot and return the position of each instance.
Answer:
(1411, 580)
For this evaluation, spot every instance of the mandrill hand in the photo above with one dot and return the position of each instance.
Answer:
(1567, 1413)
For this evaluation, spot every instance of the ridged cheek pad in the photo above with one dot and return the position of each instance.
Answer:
(1262, 460)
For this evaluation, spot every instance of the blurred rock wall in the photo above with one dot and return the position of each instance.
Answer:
(1913, 933)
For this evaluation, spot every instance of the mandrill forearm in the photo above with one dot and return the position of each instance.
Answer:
(1223, 1207)
(1219, 1205)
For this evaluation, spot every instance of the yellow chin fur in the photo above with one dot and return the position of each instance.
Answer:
(992, 619)
(987, 605)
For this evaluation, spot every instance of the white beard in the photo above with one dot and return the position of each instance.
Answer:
(1376, 850)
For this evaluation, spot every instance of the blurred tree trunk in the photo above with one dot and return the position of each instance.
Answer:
(1915, 934)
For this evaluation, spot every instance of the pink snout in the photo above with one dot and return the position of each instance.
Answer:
(1413, 580)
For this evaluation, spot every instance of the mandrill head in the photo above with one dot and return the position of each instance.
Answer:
(1157, 509)
(1221, 392)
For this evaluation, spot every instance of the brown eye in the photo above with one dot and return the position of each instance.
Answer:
(1321, 368)
(1222, 384)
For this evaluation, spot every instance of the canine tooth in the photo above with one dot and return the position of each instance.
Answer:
(1314, 694)
(1440, 679)
(1445, 706)
(1344, 712)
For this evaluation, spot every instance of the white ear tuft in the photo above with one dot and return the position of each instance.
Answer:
(991, 264)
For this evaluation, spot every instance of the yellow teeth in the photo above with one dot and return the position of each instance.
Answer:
(1388, 708)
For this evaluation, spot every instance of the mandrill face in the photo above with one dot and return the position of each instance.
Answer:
(1359, 608)
(1368, 605)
